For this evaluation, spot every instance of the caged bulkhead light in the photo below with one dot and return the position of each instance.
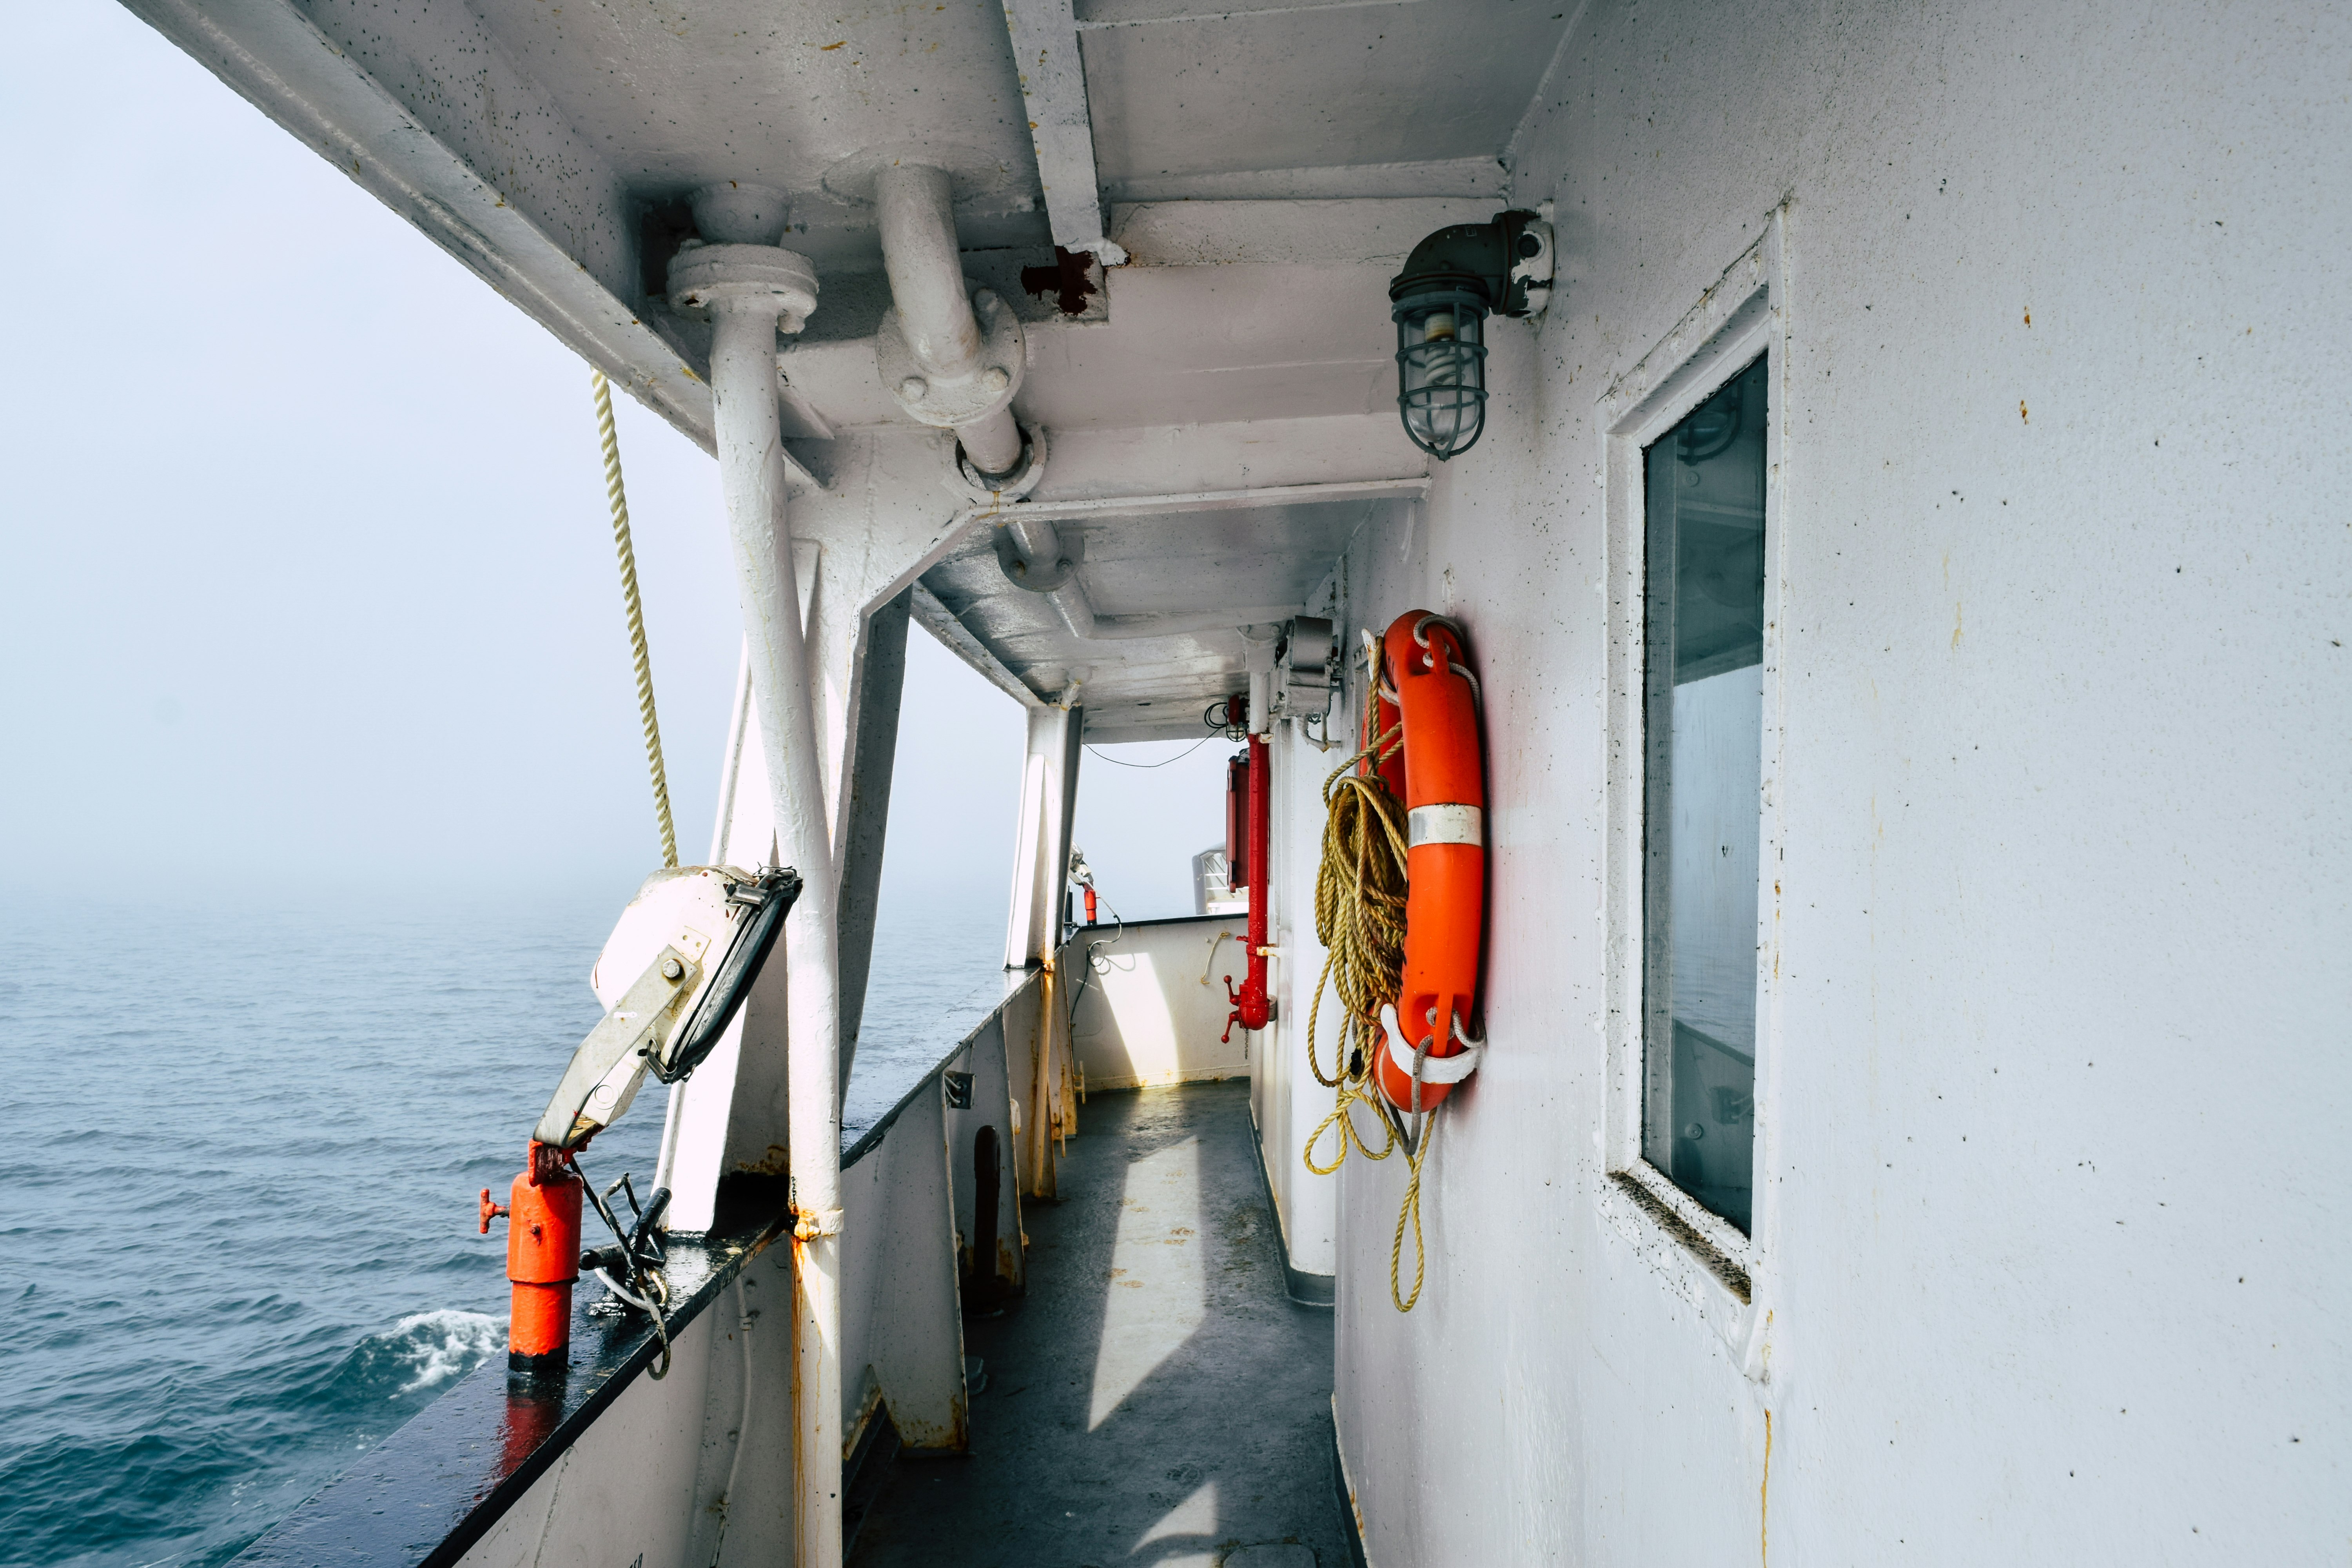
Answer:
(1452, 280)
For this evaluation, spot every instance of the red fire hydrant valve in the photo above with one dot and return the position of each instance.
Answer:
(1251, 1006)
(542, 1213)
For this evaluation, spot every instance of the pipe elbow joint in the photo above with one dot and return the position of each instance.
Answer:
(1031, 573)
(948, 395)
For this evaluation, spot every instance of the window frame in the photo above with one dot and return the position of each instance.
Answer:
(1742, 316)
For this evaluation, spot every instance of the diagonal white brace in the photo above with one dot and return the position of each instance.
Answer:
(1053, 85)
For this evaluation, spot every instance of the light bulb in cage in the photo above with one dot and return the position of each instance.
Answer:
(1452, 280)
(1442, 369)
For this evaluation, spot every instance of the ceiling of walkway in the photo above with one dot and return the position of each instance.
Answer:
(1168, 562)
(1265, 163)
(1411, 97)
(1245, 100)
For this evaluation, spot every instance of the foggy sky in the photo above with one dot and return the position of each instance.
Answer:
(309, 576)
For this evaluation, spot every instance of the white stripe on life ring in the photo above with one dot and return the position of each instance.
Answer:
(1444, 825)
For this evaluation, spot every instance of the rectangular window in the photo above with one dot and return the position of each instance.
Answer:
(1702, 744)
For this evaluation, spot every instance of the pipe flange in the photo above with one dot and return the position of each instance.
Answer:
(1028, 575)
(947, 402)
(969, 481)
(701, 276)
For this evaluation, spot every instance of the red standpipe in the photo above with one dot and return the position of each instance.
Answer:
(542, 1260)
(1237, 820)
(1250, 1005)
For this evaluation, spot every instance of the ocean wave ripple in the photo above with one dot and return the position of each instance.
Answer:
(240, 1235)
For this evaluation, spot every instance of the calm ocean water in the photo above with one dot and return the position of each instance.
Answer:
(238, 1159)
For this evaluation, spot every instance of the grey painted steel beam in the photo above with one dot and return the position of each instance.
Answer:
(871, 760)
(1041, 855)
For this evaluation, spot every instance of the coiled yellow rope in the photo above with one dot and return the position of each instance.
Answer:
(1360, 919)
(1360, 902)
(643, 655)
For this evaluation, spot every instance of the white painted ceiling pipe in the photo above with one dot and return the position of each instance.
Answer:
(961, 376)
(1035, 562)
(1176, 623)
(1257, 650)
(1031, 553)
(730, 213)
(750, 289)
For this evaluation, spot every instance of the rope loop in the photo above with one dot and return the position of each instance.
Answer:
(1414, 1159)
(1353, 1086)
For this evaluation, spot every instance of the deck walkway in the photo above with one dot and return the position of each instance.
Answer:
(1157, 1398)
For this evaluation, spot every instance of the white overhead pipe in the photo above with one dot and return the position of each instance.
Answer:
(1031, 553)
(1029, 550)
(750, 288)
(957, 371)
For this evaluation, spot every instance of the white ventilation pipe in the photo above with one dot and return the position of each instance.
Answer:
(1030, 552)
(750, 288)
(945, 365)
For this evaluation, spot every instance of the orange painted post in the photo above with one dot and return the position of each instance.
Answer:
(542, 1261)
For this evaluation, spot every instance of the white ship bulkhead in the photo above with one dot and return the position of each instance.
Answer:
(2050, 858)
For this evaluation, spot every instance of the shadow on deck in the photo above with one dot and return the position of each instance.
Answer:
(1156, 1398)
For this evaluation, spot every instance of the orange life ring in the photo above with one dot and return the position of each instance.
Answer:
(1445, 864)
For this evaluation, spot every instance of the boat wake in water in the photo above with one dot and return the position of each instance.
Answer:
(438, 1347)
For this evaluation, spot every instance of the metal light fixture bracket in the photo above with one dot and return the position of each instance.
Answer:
(1454, 279)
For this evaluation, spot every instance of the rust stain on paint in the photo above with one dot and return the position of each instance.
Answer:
(2021, 413)
(931, 1436)
(800, 1270)
(775, 1162)
(1764, 1499)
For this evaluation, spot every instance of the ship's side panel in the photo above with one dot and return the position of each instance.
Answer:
(2054, 787)
(628, 1489)
(1150, 1006)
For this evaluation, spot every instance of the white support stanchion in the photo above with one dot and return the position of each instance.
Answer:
(748, 290)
